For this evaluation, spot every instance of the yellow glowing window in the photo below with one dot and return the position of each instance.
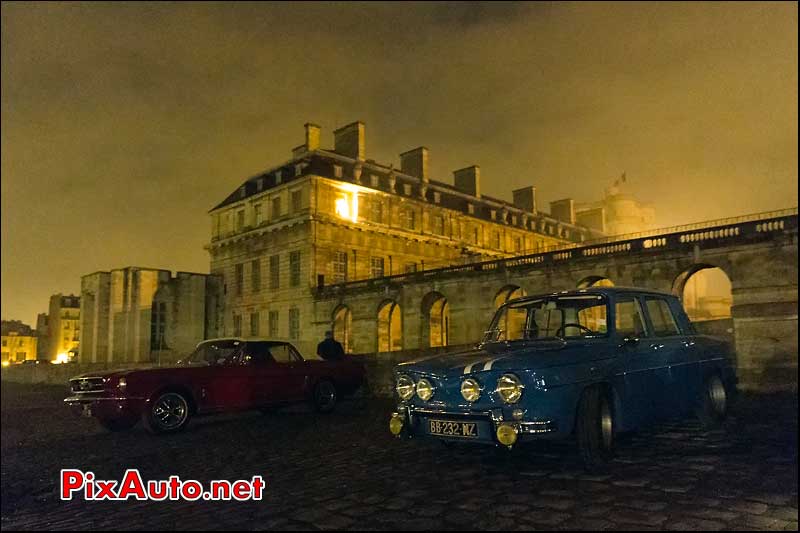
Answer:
(346, 206)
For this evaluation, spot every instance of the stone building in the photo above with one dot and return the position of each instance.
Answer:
(144, 315)
(332, 215)
(618, 213)
(18, 342)
(42, 336)
(64, 326)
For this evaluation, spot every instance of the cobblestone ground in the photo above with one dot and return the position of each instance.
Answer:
(345, 471)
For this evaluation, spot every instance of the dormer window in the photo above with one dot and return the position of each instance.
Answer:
(437, 197)
(278, 176)
(493, 214)
(471, 209)
(407, 189)
(337, 171)
(374, 181)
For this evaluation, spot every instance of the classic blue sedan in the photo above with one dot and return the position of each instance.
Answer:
(589, 363)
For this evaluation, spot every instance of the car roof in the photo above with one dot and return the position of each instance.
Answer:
(604, 291)
(246, 339)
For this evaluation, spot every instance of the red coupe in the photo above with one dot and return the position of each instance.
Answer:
(220, 375)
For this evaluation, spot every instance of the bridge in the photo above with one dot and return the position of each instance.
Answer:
(453, 305)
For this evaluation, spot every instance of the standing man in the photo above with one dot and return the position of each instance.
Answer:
(330, 349)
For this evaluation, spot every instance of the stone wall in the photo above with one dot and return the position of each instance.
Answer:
(59, 374)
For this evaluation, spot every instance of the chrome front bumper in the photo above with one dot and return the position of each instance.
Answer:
(523, 427)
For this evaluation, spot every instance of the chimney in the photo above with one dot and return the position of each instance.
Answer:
(525, 199)
(468, 180)
(312, 137)
(415, 163)
(563, 210)
(349, 140)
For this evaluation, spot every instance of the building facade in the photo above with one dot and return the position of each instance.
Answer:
(18, 342)
(142, 315)
(42, 336)
(618, 213)
(64, 326)
(332, 215)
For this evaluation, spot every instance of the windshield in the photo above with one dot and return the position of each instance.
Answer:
(215, 353)
(562, 317)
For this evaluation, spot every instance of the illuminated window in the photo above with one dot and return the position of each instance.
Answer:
(346, 206)
(438, 225)
(273, 324)
(340, 267)
(294, 269)
(256, 274)
(254, 319)
(294, 323)
(376, 267)
(274, 271)
(239, 278)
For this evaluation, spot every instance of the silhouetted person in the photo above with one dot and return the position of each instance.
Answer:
(330, 349)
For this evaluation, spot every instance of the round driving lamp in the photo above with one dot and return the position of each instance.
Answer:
(509, 388)
(424, 389)
(396, 424)
(405, 387)
(470, 390)
(506, 434)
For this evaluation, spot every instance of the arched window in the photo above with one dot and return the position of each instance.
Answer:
(390, 327)
(436, 316)
(343, 327)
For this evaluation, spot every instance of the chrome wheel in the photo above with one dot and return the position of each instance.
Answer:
(170, 411)
(606, 425)
(717, 395)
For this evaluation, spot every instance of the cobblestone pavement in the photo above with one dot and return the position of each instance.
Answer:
(344, 471)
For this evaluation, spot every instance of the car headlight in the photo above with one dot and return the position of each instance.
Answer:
(405, 387)
(509, 388)
(470, 390)
(122, 383)
(424, 389)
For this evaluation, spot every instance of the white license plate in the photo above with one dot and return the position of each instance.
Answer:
(449, 428)
(87, 410)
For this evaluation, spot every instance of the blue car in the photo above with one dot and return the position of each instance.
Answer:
(589, 363)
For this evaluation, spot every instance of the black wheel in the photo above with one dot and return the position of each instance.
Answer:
(594, 429)
(169, 412)
(713, 405)
(117, 424)
(324, 397)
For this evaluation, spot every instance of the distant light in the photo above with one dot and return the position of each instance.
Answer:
(61, 358)
(346, 206)
(6, 363)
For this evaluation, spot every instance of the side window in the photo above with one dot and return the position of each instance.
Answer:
(661, 317)
(629, 321)
(283, 353)
(257, 353)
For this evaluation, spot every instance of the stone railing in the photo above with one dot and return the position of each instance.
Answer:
(723, 232)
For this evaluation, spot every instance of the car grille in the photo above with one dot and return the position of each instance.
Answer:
(87, 384)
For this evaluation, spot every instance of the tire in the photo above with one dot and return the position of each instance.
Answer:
(118, 424)
(324, 397)
(713, 405)
(594, 429)
(168, 412)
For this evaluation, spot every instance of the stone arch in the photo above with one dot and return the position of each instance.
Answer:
(595, 281)
(435, 320)
(509, 292)
(342, 327)
(390, 327)
(706, 292)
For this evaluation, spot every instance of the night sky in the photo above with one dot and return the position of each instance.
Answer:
(123, 124)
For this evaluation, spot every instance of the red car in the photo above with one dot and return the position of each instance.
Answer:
(220, 375)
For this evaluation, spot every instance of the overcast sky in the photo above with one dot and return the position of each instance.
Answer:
(122, 124)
